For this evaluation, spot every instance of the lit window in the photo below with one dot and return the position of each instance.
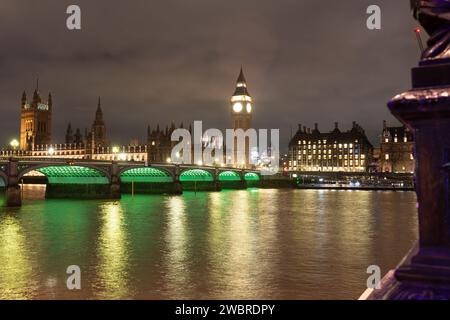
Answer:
(411, 156)
(386, 156)
(386, 140)
(395, 140)
(405, 139)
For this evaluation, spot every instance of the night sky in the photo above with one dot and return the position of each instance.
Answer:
(152, 62)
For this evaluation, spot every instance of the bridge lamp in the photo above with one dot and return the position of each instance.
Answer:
(169, 160)
(200, 163)
(51, 151)
(115, 149)
(177, 154)
(123, 156)
(14, 144)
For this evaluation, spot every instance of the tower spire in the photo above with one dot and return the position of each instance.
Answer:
(24, 98)
(99, 111)
(241, 78)
(241, 85)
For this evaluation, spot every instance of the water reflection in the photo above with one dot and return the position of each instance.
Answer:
(16, 276)
(243, 244)
(112, 250)
(177, 280)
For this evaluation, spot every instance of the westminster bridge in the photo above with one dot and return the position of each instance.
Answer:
(92, 179)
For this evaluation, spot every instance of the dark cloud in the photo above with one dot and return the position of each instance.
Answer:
(306, 61)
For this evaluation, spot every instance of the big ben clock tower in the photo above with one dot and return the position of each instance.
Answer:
(241, 115)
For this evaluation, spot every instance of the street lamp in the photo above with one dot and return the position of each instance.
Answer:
(14, 144)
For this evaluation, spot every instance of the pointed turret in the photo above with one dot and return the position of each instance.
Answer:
(99, 112)
(50, 100)
(36, 97)
(98, 127)
(24, 98)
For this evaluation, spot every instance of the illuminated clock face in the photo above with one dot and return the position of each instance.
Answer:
(249, 107)
(237, 107)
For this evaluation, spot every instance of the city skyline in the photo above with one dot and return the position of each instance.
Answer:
(160, 78)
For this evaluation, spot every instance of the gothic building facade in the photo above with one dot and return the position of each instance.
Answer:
(334, 151)
(396, 150)
(159, 143)
(35, 120)
(95, 138)
(36, 139)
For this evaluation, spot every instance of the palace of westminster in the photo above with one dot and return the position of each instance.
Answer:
(309, 150)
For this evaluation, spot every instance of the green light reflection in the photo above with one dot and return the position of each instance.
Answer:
(113, 254)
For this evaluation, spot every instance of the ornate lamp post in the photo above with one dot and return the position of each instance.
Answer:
(425, 272)
(14, 144)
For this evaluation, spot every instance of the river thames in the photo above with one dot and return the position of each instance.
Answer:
(243, 244)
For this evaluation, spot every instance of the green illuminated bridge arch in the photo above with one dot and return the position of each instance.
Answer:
(229, 176)
(252, 176)
(67, 174)
(196, 175)
(146, 174)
